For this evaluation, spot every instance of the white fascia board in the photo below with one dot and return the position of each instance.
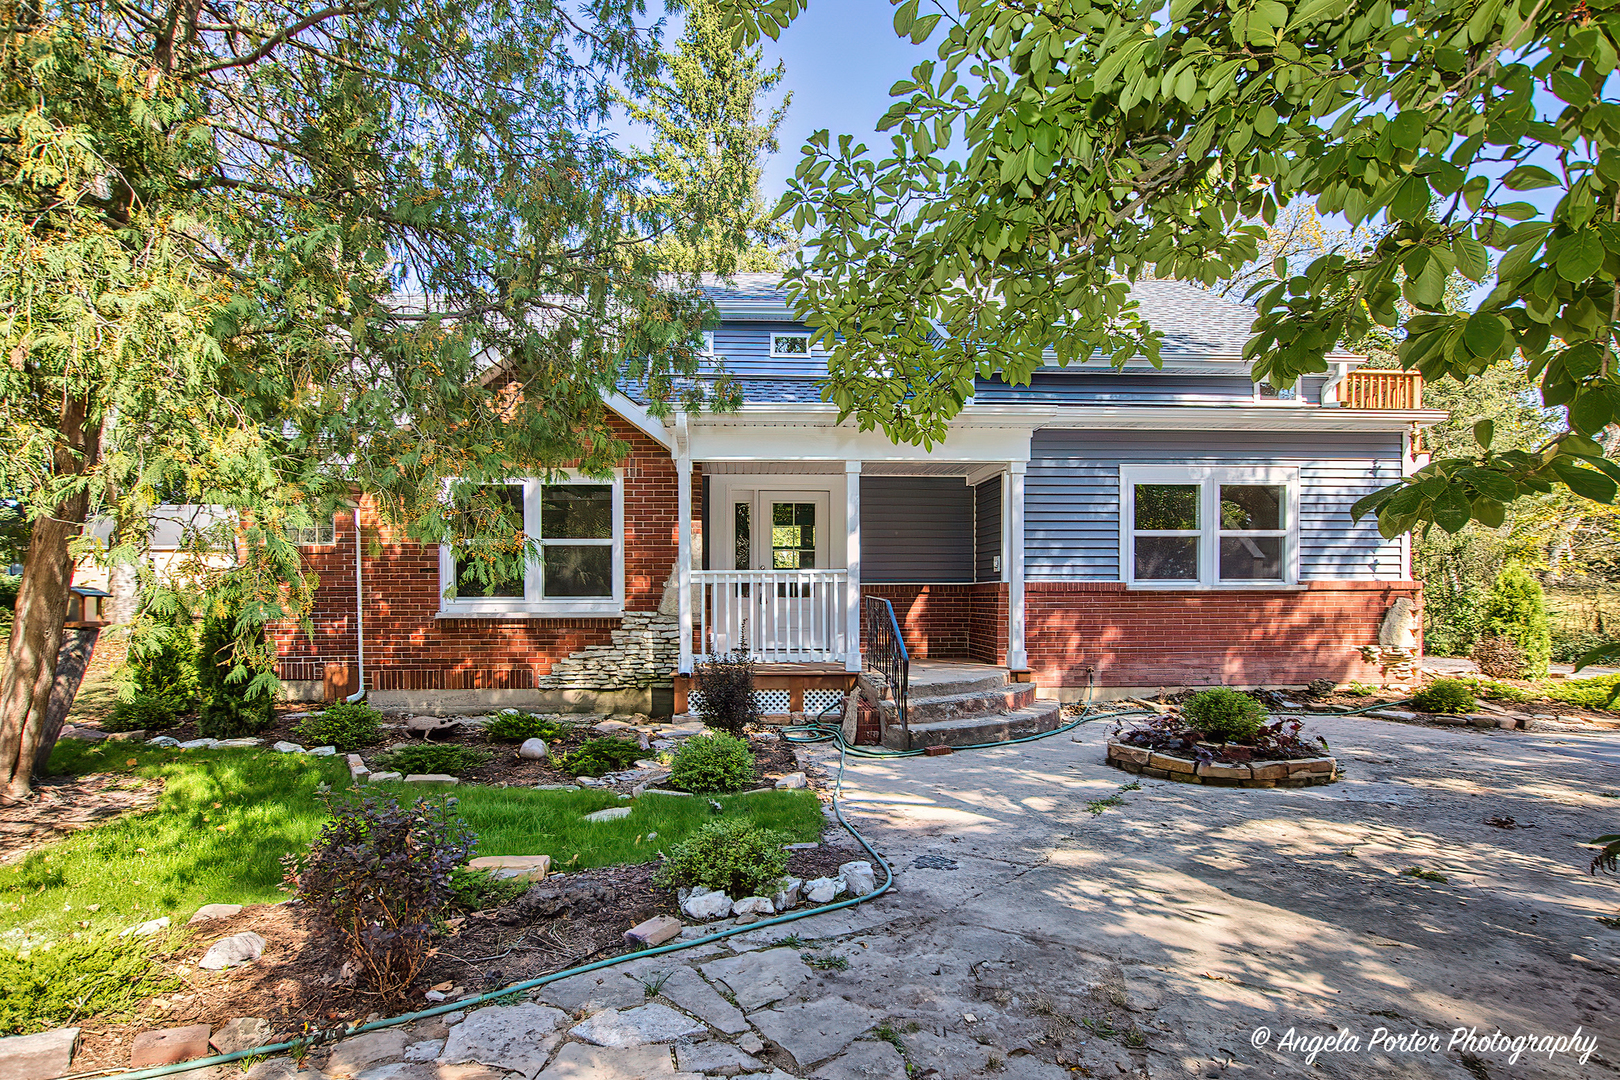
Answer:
(641, 419)
(1243, 418)
(797, 437)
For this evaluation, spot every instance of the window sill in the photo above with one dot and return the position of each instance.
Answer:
(608, 610)
(1198, 586)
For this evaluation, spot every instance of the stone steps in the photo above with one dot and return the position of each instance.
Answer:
(1032, 719)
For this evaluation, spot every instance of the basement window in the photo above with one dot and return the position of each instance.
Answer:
(1204, 528)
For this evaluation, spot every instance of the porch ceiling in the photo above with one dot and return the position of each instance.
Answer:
(831, 468)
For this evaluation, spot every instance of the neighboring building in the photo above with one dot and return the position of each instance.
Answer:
(1129, 529)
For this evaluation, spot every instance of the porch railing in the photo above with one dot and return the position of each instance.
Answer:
(1375, 388)
(787, 616)
(886, 656)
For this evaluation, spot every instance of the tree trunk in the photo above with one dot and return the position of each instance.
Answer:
(42, 600)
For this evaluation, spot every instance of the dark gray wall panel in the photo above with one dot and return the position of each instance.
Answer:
(916, 529)
(987, 530)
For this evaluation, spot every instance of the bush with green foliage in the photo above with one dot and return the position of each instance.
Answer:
(1602, 692)
(1224, 714)
(346, 725)
(100, 975)
(510, 725)
(229, 709)
(480, 890)
(712, 764)
(378, 877)
(1516, 609)
(1444, 696)
(726, 699)
(148, 712)
(168, 669)
(730, 855)
(426, 757)
(598, 756)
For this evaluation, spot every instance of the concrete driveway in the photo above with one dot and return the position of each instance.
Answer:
(1195, 928)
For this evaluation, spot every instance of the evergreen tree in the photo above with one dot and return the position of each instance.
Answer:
(1517, 611)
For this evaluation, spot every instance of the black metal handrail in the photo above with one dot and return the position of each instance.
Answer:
(886, 654)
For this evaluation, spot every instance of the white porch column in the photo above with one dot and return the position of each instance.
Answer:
(683, 538)
(852, 559)
(1017, 657)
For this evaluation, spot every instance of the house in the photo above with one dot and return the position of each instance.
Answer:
(1098, 531)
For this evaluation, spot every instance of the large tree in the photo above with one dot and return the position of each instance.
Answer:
(1056, 151)
(258, 254)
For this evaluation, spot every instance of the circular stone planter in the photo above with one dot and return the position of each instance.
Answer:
(1302, 772)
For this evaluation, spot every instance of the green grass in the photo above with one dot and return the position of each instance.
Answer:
(226, 817)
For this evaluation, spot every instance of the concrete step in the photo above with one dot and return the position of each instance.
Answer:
(932, 708)
(945, 680)
(1034, 718)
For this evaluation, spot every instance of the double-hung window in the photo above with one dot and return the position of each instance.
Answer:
(1196, 527)
(791, 344)
(572, 531)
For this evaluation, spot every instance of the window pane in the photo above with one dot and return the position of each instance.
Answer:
(742, 535)
(1167, 558)
(790, 345)
(579, 570)
(793, 536)
(577, 512)
(1167, 506)
(500, 574)
(1251, 558)
(1247, 507)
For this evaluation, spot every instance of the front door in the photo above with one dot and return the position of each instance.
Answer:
(795, 614)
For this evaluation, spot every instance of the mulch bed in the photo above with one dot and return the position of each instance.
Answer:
(65, 804)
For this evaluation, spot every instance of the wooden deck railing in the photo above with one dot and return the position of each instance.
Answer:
(1371, 388)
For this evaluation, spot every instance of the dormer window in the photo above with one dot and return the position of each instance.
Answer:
(1266, 393)
(790, 345)
(708, 343)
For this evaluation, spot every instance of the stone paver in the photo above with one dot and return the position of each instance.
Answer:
(813, 1031)
(504, 867)
(867, 1060)
(654, 931)
(717, 1058)
(594, 991)
(353, 1056)
(654, 1023)
(686, 988)
(168, 1046)
(517, 1038)
(757, 979)
(41, 1056)
(241, 1033)
(577, 1061)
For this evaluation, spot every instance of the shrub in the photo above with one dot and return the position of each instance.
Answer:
(378, 876)
(346, 725)
(1279, 740)
(731, 855)
(446, 758)
(513, 726)
(1444, 696)
(148, 712)
(1516, 609)
(713, 764)
(168, 670)
(230, 708)
(1223, 714)
(727, 700)
(597, 756)
(1499, 657)
(1602, 692)
(100, 975)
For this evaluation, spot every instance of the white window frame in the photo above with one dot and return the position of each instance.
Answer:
(708, 343)
(1209, 480)
(533, 603)
(810, 347)
(325, 533)
(1298, 399)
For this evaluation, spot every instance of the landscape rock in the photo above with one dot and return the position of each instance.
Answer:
(431, 778)
(655, 931)
(705, 906)
(792, 781)
(197, 744)
(41, 1056)
(238, 949)
(235, 744)
(428, 726)
(323, 751)
(533, 750)
(612, 813)
(352, 1056)
(514, 1037)
(654, 1023)
(284, 747)
(687, 989)
(787, 893)
(507, 867)
(751, 1043)
(209, 912)
(594, 991)
(380, 777)
(811, 1032)
(870, 1060)
(823, 890)
(753, 905)
(168, 1046)
(426, 1050)
(576, 1061)
(148, 928)
(241, 1033)
(163, 740)
(613, 727)
(757, 979)
(84, 734)
(720, 1059)
(859, 877)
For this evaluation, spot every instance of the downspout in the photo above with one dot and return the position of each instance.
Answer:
(1331, 386)
(359, 616)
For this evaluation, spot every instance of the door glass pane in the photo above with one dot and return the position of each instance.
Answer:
(1167, 558)
(793, 536)
(499, 572)
(577, 512)
(1248, 507)
(579, 570)
(1251, 558)
(742, 535)
(1167, 506)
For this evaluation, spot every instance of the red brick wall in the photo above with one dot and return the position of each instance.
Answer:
(987, 616)
(408, 648)
(935, 620)
(1174, 638)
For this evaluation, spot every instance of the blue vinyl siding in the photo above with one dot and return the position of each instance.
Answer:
(1106, 388)
(1071, 505)
(916, 529)
(987, 530)
(745, 349)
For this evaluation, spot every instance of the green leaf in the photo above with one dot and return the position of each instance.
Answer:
(1591, 411)
(1368, 503)
(1453, 510)
(1571, 87)
(1489, 512)
(1484, 432)
(1484, 333)
(1587, 483)
(1473, 262)
(1411, 201)
(1580, 256)
(1526, 177)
